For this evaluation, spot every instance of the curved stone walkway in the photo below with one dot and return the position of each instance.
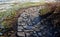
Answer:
(31, 24)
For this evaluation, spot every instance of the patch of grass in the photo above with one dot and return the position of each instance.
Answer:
(10, 13)
(28, 4)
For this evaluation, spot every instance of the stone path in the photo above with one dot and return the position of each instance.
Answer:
(31, 24)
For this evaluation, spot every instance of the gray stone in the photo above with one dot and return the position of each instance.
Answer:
(21, 34)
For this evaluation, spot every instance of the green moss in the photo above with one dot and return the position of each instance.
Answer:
(44, 11)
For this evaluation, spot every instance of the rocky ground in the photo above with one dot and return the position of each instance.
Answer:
(31, 22)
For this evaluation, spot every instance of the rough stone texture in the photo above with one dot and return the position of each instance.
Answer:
(32, 24)
(39, 26)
